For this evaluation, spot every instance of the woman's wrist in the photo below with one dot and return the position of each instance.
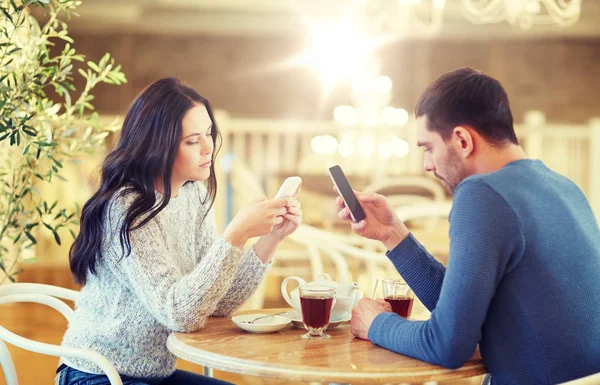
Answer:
(265, 247)
(235, 238)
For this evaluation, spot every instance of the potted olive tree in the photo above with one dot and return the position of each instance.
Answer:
(45, 122)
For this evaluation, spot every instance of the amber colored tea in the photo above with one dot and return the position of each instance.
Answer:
(401, 304)
(316, 310)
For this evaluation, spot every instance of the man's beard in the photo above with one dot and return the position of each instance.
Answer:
(455, 171)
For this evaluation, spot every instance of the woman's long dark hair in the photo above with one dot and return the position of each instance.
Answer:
(149, 142)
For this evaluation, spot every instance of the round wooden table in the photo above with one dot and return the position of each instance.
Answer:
(284, 355)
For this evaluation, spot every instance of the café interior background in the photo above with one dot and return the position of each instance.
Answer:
(300, 86)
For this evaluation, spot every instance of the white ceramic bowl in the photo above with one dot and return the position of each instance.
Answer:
(264, 325)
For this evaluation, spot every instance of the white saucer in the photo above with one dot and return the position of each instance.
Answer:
(265, 325)
(296, 317)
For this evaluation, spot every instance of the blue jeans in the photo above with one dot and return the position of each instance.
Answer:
(70, 376)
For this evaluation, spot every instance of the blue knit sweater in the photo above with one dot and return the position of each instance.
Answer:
(523, 281)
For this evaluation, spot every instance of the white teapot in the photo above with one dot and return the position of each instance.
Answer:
(347, 294)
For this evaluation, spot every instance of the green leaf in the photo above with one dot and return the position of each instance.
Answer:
(56, 237)
(72, 233)
(26, 149)
(29, 131)
(69, 86)
(61, 177)
(28, 117)
(66, 37)
(94, 66)
(46, 144)
(17, 9)
(8, 16)
(104, 60)
(31, 238)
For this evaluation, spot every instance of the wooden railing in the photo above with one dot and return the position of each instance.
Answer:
(274, 147)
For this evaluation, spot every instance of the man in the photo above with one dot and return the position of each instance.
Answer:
(523, 277)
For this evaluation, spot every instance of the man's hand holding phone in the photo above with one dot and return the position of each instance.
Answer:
(381, 223)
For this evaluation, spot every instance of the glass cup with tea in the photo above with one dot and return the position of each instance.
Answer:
(316, 303)
(398, 294)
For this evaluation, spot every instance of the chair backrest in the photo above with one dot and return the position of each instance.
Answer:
(47, 295)
(408, 184)
(424, 210)
(39, 288)
(350, 254)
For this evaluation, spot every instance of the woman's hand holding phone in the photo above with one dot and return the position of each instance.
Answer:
(261, 218)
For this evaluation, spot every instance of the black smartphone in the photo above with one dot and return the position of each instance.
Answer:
(343, 186)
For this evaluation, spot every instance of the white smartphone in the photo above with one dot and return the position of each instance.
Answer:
(343, 186)
(290, 187)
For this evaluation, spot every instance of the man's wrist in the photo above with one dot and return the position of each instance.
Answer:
(397, 234)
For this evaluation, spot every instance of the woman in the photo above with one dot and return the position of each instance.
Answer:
(148, 254)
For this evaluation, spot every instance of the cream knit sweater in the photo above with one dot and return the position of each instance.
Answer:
(180, 272)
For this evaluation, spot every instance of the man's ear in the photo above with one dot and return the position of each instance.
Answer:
(463, 142)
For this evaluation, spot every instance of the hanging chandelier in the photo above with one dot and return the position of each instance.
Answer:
(524, 13)
(426, 16)
(389, 16)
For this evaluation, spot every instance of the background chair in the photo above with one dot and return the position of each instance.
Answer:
(415, 187)
(424, 220)
(47, 295)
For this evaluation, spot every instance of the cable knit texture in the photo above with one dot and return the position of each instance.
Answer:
(522, 281)
(179, 273)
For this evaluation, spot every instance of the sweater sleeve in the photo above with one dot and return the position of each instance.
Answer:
(423, 273)
(180, 302)
(248, 276)
(486, 242)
